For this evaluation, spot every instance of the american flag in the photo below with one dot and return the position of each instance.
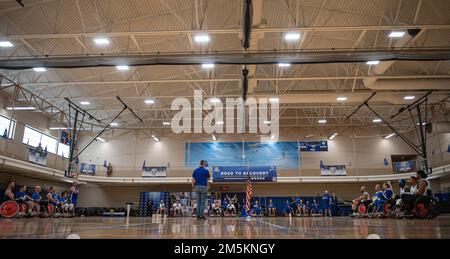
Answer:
(249, 194)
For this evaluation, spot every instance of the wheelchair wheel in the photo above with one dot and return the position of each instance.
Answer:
(23, 208)
(9, 209)
(362, 209)
(388, 207)
(422, 207)
(50, 209)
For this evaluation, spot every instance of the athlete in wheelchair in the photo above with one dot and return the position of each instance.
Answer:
(419, 202)
(9, 207)
(177, 209)
(271, 209)
(40, 205)
(382, 200)
(230, 210)
(361, 204)
(257, 211)
(216, 210)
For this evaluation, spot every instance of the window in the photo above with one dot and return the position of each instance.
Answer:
(50, 143)
(63, 150)
(4, 125)
(33, 137)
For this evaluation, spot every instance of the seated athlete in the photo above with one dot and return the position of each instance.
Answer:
(423, 186)
(388, 191)
(52, 198)
(22, 194)
(378, 199)
(39, 204)
(193, 208)
(257, 209)
(315, 208)
(161, 208)
(404, 190)
(271, 210)
(363, 199)
(308, 208)
(301, 208)
(231, 207)
(9, 192)
(216, 210)
(65, 205)
(293, 205)
(287, 211)
(177, 210)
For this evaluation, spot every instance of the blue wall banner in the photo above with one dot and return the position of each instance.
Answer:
(333, 170)
(87, 169)
(239, 174)
(314, 146)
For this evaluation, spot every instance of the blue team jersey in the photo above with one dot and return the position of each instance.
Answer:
(74, 198)
(326, 198)
(55, 198)
(271, 206)
(21, 195)
(388, 194)
(61, 200)
(379, 195)
(36, 196)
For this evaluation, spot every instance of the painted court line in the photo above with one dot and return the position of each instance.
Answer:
(270, 224)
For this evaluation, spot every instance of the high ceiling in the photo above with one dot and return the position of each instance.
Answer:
(307, 92)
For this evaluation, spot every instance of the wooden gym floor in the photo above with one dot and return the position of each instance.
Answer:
(230, 228)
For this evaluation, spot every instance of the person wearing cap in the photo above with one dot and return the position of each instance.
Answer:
(200, 178)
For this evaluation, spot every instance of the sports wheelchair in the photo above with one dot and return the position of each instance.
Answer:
(422, 207)
(19, 208)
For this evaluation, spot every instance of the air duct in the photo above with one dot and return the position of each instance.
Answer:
(416, 84)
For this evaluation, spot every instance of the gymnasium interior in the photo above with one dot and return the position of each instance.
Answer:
(347, 94)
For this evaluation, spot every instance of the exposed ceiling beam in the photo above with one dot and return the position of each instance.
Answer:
(232, 31)
(177, 81)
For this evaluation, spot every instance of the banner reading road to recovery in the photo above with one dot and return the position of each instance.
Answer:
(239, 174)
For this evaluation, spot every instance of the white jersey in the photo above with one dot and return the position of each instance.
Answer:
(403, 191)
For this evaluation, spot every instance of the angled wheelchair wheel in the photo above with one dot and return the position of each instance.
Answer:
(50, 209)
(9, 209)
(388, 208)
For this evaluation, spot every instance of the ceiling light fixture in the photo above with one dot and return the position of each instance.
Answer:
(6, 44)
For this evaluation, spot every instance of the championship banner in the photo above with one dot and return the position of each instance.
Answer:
(87, 169)
(37, 156)
(239, 174)
(148, 171)
(333, 170)
(404, 167)
(314, 146)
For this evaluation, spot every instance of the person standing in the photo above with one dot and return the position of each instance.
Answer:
(200, 178)
(150, 207)
(326, 199)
